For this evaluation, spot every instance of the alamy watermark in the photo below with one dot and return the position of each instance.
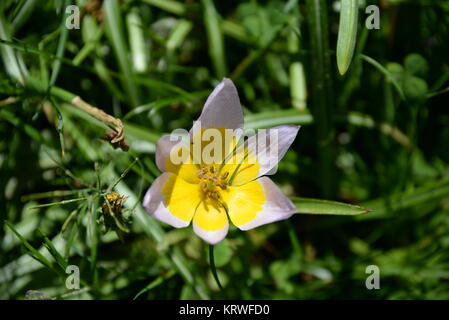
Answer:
(72, 282)
(373, 280)
(231, 146)
(373, 20)
(73, 19)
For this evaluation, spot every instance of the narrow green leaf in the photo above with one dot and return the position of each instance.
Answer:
(316, 206)
(53, 251)
(91, 36)
(114, 30)
(137, 43)
(13, 62)
(387, 74)
(276, 118)
(57, 203)
(25, 11)
(347, 34)
(68, 220)
(32, 251)
(178, 34)
(171, 6)
(63, 37)
(384, 207)
(29, 130)
(215, 38)
(158, 281)
(298, 86)
(155, 231)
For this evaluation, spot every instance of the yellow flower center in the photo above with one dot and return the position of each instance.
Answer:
(212, 182)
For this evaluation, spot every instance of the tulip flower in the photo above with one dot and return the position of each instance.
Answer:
(210, 193)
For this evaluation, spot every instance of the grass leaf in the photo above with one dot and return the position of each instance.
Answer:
(316, 206)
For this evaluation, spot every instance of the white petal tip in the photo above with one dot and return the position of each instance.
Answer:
(211, 237)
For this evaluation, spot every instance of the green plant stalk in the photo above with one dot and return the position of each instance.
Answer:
(63, 37)
(94, 236)
(11, 60)
(322, 99)
(25, 11)
(352, 81)
(296, 246)
(212, 266)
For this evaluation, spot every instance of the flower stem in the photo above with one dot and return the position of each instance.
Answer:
(212, 266)
(323, 110)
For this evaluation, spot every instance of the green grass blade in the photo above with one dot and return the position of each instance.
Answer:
(63, 37)
(156, 282)
(326, 207)
(53, 251)
(91, 36)
(298, 86)
(139, 49)
(171, 6)
(178, 34)
(9, 57)
(32, 251)
(383, 207)
(387, 74)
(276, 118)
(22, 15)
(215, 38)
(114, 29)
(152, 228)
(25, 127)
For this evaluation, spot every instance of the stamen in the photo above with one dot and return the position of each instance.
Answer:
(211, 182)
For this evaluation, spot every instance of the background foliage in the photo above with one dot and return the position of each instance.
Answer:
(377, 136)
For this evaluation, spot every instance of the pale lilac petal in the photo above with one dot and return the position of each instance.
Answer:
(270, 146)
(163, 148)
(276, 207)
(222, 109)
(165, 145)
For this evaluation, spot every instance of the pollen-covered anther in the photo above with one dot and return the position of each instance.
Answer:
(212, 181)
(202, 173)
